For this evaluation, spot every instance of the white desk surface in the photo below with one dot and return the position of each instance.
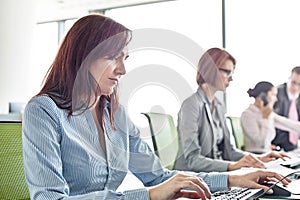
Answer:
(131, 182)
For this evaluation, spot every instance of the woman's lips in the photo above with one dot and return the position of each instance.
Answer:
(115, 80)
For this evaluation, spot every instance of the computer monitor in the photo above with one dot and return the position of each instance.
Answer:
(16, 107)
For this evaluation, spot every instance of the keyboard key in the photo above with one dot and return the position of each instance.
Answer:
(237, 194)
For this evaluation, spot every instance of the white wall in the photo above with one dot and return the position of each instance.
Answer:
(188, 18)
(17, 20)
(264, 38)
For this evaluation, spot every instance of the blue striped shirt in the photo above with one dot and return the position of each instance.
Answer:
(63, 158)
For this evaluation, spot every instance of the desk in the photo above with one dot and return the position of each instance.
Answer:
(131, 182)
(276, 167)
(291, 197)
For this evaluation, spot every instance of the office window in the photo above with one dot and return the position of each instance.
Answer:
(48, 38)
(46, 48)
(67, 25)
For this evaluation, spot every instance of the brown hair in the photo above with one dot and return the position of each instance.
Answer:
(260, 87)
(296, 70)
(211, 58)
(68, 81)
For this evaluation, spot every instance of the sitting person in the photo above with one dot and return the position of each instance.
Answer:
(204, 139)
(78, 143)
(259, 121)
(288, 97)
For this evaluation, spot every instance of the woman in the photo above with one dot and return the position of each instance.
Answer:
(259, 121)
(204, 138)
(79, 144)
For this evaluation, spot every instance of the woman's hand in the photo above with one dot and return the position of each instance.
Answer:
(180, 185)
(256, 180)
(266, 110)
(272, 155)
(247, 161)
(257, 161)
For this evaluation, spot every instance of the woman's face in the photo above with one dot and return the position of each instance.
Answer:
(227, 71)
(272, 96)
(107, 72)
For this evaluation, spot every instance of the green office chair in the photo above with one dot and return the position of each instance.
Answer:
(164, 137)
(237, 132)
(12, 180)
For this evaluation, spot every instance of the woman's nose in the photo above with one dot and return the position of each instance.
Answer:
(121, 69)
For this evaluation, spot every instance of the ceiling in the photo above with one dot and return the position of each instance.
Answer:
(49, 10)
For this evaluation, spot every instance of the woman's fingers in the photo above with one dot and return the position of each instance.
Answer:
(180, 185)
(247, 161)
(273, 156)
(264, 187)
(272, 175)
(252, 161)
(196, 184)
(256, 179)
(188, 194)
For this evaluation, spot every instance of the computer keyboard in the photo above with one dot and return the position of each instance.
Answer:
(237, 194)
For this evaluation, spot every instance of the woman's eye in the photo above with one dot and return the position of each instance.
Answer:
(115, 58)
(122, 57)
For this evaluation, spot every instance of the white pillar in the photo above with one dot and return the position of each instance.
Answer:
(17, 21)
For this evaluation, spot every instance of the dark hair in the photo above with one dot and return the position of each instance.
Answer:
(260, 87)
(68, 81)
(211, 58)
(296, 70)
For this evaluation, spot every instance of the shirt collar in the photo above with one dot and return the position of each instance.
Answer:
(203, 96)
(290, 95)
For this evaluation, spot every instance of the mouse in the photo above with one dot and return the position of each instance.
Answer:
(278, 190)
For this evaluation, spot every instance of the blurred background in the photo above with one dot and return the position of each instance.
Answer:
(262, 35)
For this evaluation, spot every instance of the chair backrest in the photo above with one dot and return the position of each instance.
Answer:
(164, 137)
(12, 180)
(237, 131)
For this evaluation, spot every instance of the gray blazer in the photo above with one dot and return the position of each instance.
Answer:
(197, 149)
(281, 107)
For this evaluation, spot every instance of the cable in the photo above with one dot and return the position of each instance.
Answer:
(277, 183)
